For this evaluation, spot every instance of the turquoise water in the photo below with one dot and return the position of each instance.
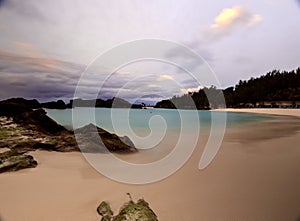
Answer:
(139, 119)
(153, 127)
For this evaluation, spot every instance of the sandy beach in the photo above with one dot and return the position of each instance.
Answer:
(255, 176)
(269, 111)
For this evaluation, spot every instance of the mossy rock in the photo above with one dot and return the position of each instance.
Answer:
(106, 218)
(104, 209)
(15, 160)
(130, 211)
(4, 133)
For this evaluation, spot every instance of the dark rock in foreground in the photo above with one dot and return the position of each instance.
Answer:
(130, 211)
(29, 118)
(13, 160)
(104, 209)
(32, 104)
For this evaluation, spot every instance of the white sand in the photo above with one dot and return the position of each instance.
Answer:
(257, 180)
(273, 111)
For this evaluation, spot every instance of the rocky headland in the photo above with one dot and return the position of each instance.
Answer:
(25, 127)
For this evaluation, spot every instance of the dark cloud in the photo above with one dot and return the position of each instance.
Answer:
(151, 96)
(41, 78)
(26, 8)
(51, 79)
(2, 2)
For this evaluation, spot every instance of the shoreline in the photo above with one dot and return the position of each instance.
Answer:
(253, 177)
(267, 111)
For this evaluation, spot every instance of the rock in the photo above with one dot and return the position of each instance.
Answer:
(130, 211)
(106, 218)
(11, 153)
(104, 209)
(89, 140)
(127, 141)
(14, 160)
(31, 119)
(109, 103)
(60, 104)
(26, 129)
(165, 104)
(40, 121)
(11, 109)
(32, 104)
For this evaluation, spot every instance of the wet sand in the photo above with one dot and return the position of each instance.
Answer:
(255, 176)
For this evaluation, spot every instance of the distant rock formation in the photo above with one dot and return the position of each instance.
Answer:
(60, 104)
(109, 103)
(167, 104)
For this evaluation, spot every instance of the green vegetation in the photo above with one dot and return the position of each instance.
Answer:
(274, 89)
(4, 133)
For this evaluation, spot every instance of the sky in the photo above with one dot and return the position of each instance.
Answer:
(47, 45)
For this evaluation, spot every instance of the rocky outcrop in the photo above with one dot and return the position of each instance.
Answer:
(14, 160)
(29, 118)
(60, 104)
(11, 109)
(88, 138)
(109, 103)
(32, 104)
(130, 211)
(40, 121)
(105, 210)
(165, 104)
(23, 129)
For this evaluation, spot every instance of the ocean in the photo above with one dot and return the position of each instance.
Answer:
(139, 124)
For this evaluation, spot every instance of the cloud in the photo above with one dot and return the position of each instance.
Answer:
(153, 86)
(34, 77)
(164, 77)
(231, 18)
(2, 2)
(24, 8)
(238, 14)
(191, 90)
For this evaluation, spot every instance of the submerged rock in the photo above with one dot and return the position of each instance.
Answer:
(130, 211)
